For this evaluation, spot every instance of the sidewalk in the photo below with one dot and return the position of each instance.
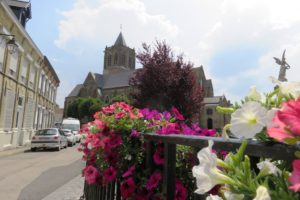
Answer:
(72, 190)
(14, 151)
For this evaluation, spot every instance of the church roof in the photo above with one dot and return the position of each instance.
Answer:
(99, 80)
(119, 79)
(120, 40)
(75, 91)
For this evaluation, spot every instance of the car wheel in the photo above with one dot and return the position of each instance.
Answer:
(33, 149)
(71, 144)
(58, 148)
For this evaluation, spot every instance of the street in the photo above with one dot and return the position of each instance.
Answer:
(35, 175)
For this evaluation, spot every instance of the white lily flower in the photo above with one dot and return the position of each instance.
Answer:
(248, 120)
(213, 197)
(286, 88)
(266, 167)
(206, 173)
(262, 193)
(254, 94)
(232, 196)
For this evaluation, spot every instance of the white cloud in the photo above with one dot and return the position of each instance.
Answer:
(94, 22)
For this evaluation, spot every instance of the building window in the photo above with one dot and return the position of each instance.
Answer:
(24, 70)
(109, 60)
(123, 59)
(130, 62)
(210, 124)
(20, 101)
(13, 64)
(116, 59)
(2, 50)
(209, 111)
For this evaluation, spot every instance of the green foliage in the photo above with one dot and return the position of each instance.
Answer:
(120, 98)
(84, 108)
(72, 110)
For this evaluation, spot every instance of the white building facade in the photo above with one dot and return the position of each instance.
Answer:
(28, 82)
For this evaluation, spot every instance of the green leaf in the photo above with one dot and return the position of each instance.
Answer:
(297, 154)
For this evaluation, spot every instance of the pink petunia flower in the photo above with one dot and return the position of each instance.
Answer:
(290, 115)
(113, 141)
(134, 134)
(120, 115)
(91, 174)
(109, 109)
(181, 191)
(127, 188)
(110, 174)
(97, 143)
(177, 114)
(158, 156)
(294, 179)
(153, 181)
(129, 171)
(278, 132)
(111, 157)
(286, 121)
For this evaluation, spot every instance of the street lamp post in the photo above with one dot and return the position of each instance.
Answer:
(11, 44)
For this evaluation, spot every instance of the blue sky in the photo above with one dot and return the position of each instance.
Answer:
(234, 40)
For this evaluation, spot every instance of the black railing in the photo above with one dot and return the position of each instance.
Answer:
(278, 151)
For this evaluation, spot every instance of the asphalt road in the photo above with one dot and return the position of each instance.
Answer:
(34, 175)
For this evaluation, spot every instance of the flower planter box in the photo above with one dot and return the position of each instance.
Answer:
(254, 149)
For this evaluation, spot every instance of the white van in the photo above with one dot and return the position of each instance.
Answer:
(74, 125)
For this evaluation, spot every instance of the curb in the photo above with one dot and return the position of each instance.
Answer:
(14, 151)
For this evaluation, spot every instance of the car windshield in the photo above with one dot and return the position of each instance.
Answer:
(46, 132)
(73, 127)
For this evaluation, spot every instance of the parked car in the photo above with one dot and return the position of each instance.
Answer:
(71, 138)
(49, 138)
(74, 125)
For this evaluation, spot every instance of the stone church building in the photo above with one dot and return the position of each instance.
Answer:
(119, 66)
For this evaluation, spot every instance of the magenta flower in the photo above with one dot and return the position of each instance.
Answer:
(134, 134)
(294, 179)
(113, 141)
(158, 156)
(110, 174)
(127, 188)
(187, 130)
(166, 115)
(177, 114)
(129, 171)
(91, 174)
(153, 181)
(181, 191)
(170, 128)
(111, 157)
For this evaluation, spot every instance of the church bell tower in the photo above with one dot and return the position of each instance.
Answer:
(118, 57)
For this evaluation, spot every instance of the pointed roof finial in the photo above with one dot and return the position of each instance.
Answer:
(121, 27)
(120, 40)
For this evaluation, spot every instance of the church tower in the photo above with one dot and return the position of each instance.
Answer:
(118, 57)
